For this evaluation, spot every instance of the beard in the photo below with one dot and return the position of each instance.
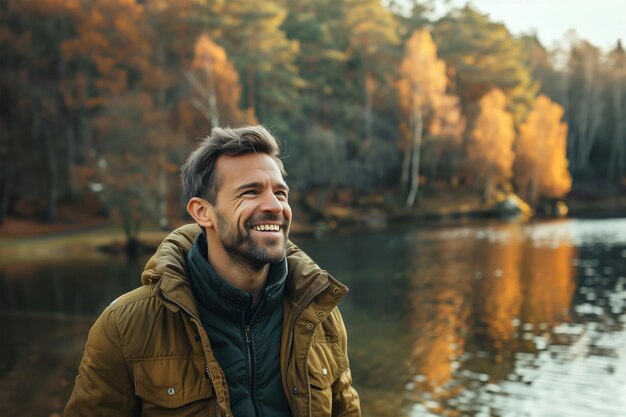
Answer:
(241, 247)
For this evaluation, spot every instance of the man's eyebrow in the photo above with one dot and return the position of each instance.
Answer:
(248, 185)
(280, 185)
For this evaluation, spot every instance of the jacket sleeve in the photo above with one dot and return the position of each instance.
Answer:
(103, 386)
(345, 398)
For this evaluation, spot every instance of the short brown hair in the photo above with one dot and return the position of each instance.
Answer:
(198, 172)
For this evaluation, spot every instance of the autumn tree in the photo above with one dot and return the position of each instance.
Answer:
(215, 84)
(482, 55)
(541, 161)
(115, 72)
(422, 92)
(490, 145)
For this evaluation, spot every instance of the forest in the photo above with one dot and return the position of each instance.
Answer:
(102, 100)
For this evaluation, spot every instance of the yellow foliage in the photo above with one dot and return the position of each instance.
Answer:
(541, 166)
(490, 146)
(218, 73)
(423, 82)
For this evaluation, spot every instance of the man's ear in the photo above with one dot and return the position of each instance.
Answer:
(201, 211)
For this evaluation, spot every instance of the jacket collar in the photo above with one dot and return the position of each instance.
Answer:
(167, 271)
(217, 296)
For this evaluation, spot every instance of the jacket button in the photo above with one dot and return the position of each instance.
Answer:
(171, 391)
(294, 391)
(324, 371)
(336, 291)
(320, 314)
(309, 326)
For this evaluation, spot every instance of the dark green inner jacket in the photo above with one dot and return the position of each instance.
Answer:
(245, 341)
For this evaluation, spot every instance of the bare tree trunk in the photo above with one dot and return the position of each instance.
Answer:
(6, 172)
(53, 190)
(162, 192)
(250, 75)
(367, 109)
(589, 118)
(212, 98)
(488, 185)
(70, 136)
(616, 164)
(406, 165)
(415, 162)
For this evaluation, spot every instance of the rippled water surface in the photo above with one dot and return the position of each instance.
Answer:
(464, 319)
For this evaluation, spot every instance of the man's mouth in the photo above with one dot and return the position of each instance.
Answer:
(267, 227)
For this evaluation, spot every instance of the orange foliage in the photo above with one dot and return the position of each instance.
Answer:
(110, 40)
(211, 65)
(423, 82)
(490, 146)
(541, 163)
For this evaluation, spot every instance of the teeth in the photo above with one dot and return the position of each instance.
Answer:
(267, 227)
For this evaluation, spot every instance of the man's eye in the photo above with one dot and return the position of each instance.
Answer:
(281, 193)
(249, 192)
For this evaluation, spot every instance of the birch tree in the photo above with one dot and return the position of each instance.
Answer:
(215, 83)
(422, 92)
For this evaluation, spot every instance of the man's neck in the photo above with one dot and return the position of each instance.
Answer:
(239, 275)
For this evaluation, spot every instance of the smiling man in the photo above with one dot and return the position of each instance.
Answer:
(232, 319)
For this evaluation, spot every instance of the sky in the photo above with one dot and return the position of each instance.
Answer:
(602, 22)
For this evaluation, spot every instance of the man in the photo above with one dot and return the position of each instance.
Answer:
(232, 319)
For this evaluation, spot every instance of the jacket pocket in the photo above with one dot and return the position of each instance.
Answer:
(165, 384)
(326, 363)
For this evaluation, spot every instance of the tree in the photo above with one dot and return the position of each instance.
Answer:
(317, 27)
(541, 161)
(490, 145)
(617, 105)
(34, 112)
(372, 39)
(422, 92)
(129, 133)
(586, 107)
(482, 55)
(265, 59)
(215, 80)
(118, 75)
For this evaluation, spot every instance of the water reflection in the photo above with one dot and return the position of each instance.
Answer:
(478, 299)
(470, 319)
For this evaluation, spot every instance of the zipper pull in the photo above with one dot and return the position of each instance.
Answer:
(248, 334)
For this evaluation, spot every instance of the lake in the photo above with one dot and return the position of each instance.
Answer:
(458, 318)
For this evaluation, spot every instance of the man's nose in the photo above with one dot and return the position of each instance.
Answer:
(271, 203)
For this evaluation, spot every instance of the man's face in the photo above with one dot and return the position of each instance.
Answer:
(252, 213)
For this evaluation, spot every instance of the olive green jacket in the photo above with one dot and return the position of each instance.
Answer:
(147, 354)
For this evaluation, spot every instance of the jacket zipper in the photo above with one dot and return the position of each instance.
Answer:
(208, 373)
(250, 368)
(248, 332)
